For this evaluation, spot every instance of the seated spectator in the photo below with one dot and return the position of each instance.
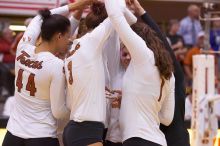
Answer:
(177, 43)
(6, 63)
(188, 61)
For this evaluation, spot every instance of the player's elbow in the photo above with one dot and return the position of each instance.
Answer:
(166, 122)
(166, 119)
(57, 114)
(60, 114)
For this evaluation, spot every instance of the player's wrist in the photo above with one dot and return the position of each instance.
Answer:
(140, 10)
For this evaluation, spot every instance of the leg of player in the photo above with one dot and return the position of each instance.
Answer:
(96, 144)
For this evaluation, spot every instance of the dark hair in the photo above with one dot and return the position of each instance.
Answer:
(53, 24)
(162, 58)
(96, 16)
(172, 22)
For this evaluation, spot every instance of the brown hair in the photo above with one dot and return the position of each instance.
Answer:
(82, 29)
(96, 16)
(162, 58)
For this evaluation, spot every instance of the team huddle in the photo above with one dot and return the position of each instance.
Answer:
(117, 76)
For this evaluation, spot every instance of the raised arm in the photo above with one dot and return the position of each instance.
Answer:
(135, 44)
(57, 92)
(178, 71)
(34, 28)
(147, 19)
(129, 16)
(112, 48)
(167, 110)
(74, 20)
(101, 33)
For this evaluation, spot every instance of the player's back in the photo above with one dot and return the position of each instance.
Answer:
(85, 75)
(39, 79)
(86, 90)
(34, 73)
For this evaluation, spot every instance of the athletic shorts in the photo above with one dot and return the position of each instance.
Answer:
(104, 134)
(11, 140)
(109, 143)
(82, 133)
(136, 141)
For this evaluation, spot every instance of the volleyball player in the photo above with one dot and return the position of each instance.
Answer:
(114, 136)
(176, 133)
(40, 81)
(148, 84)
(86, 82)
(74, 18)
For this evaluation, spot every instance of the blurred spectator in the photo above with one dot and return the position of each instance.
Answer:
(215, 34)
(188, 61)
(6, 40)
(6, 63)
(215, 42)
(177, 43)
(18, 38)
(190, 26)
(8, 47)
